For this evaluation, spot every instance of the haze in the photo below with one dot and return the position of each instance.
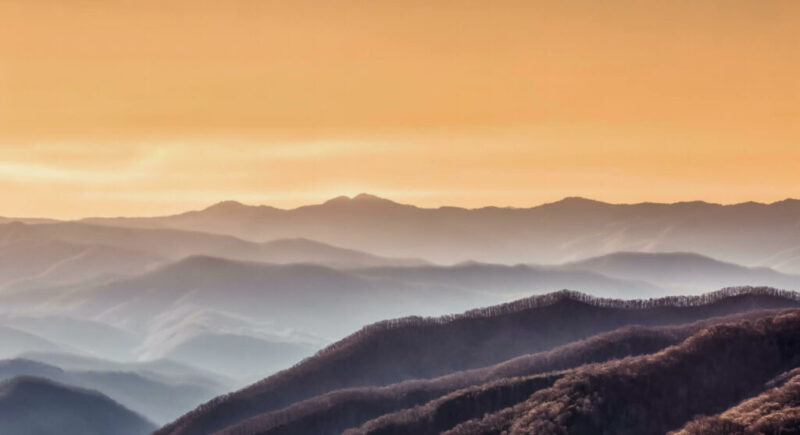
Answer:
(149, 108)
(399, 217)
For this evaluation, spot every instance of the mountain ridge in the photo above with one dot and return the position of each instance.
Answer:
(131, 389)
(30, 405)
(473, 339)
(749, 233)
(567, 200)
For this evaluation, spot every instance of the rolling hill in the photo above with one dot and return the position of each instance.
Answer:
(325, 302)
(35, 406)
(682, 271)
(772, 412)
(15, 341)
(635, 380)
(84, 336)
(158, 369)
(710, 371)
(417, 348)
(433, 405)
(250, 290)
(202, 310)
(27, 253)
(157, 398)
(69, 252)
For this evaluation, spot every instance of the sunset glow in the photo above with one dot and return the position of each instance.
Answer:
(145, 108)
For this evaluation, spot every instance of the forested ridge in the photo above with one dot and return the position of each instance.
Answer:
(775, 411)
(707, 373)
(420, 348)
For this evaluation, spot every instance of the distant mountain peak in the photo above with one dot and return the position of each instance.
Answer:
(338, 199)
(227, 205)
(360, 199)
(368, 197)
(235, 208)
(787, 202)
(575, 201)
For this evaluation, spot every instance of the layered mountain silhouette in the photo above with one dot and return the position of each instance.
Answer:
(81, 336)
(236, 355)
(201, 309)
(160, 314)
(160, 369)
(682, 272)
(354, 297)
(16, 341)
(316, 299)
(33, 252)
(416, 348)
(71, 252)
(253, 290)
(33, 406)
(158, 398)
(752, 234)
(199, 298)
(710, 371)
(434, 405)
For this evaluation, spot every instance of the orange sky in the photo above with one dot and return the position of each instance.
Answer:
(150, 107)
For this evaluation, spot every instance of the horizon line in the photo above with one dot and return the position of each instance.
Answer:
(367, 196)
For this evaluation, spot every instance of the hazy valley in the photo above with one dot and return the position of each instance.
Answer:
(300, 217)
(153, 317)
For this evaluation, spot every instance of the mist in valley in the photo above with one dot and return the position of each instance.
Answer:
(163, 314)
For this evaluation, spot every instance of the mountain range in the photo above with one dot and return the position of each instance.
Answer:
(751, 234)
(336, 389)
(161, 314)
(209, 310)
(67, 252)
